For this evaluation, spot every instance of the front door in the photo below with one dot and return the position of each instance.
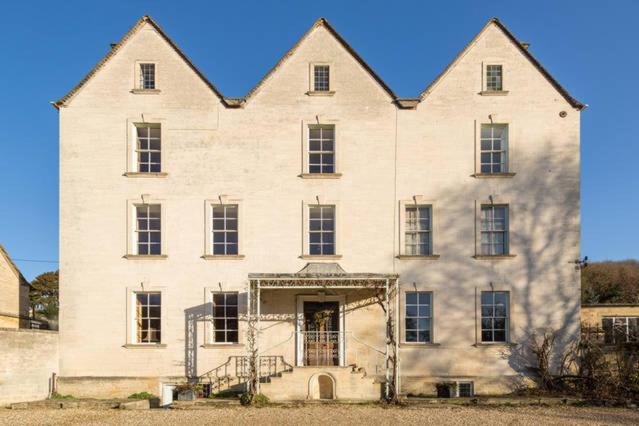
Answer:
(321, 333)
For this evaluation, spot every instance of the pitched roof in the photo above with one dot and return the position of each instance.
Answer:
(523, 48)
(117, 46)
(12, 265)
(321, 22)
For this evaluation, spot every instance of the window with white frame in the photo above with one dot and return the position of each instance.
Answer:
(225, 229)
(494, 316)
(494, 148)
(418, 231)
(148, 148)
(321, 224)
(148, 229)
(147, 76)
(321, 149)
(225, 317)
(321, 78)
(494, 78)
(620, 329)
(148, 317)
(418, 317)
(494, 230)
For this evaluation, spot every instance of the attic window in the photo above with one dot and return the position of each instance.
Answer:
(321, 78)
(494, 78)
(147, 76)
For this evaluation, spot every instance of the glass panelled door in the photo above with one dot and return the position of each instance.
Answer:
(321, 333)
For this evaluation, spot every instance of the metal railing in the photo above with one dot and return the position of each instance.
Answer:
(321, 347)
(235, 372)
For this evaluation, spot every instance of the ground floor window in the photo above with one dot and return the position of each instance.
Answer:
(225, 317)
(418, 317)
(620, 329)
(148, 317)
(494, 316)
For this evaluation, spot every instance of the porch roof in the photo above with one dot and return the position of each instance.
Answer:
(320, 275)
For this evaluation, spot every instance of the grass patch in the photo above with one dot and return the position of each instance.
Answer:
(142, 395)
(58, 396)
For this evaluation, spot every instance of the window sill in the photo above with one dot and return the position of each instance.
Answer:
(321, 256)
(145, 91)
(418, 345)
(222, 345)
(146, 174)
(493, 175)
(320, 93)
(223, 257)
(320, 175)
(495, 257)
(493, 92)
(495, 345)
(145, 256)
(418, 257)
(144, 346)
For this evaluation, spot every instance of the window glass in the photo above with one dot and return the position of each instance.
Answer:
(418, 317)
(148, 229)
(321, 230)
(225, 317)
(494, 230)
(418, 231)
(493, 77)
(321, 149)
(225, 229)
(494, 316)
(494, 148)
(148, 317)
(321, 78)
(148, 148)
(147, 76)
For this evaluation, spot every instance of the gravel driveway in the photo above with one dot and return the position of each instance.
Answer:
(328, 415)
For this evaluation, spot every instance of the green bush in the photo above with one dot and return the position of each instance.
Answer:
(258, 400)
(225, 394)
(56, 395)
(142, 395)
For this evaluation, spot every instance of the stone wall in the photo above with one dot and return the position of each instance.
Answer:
(28, 358)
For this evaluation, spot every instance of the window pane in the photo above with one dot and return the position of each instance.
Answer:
(411, 298)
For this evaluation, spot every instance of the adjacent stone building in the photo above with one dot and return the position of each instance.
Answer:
(14, 294)
(320, 220)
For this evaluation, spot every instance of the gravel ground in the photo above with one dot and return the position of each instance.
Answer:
(328, 415)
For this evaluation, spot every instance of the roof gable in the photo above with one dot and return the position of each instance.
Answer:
(118, 46)
(323, 23)
(521, 47)
(409, 103)
(12, 266)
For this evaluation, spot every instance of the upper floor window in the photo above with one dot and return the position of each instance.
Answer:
(418, 317)
(147, 76)
(418, 231)
(620, 329)
(494, 230)
(148, 317)
(148, 229)
(494, 148)
(225, 317)
(321, 78)
(494, 78)
(321, 149)
(321, 230)
(225, 229)
(494, 316)
(148, 148)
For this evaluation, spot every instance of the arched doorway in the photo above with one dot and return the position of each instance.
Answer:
(321, 386)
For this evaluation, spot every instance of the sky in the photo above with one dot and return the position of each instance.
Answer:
(589, 46)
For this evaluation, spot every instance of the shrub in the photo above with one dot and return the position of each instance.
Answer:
(56, 395)
(257, 399)
(142, 395)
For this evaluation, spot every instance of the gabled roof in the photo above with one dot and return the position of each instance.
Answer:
(117, 46)
(523, 48)
(323, 22)
(12, 266)
(409, 103)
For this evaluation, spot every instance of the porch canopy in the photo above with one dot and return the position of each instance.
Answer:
(322, 275)
(316, 275)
